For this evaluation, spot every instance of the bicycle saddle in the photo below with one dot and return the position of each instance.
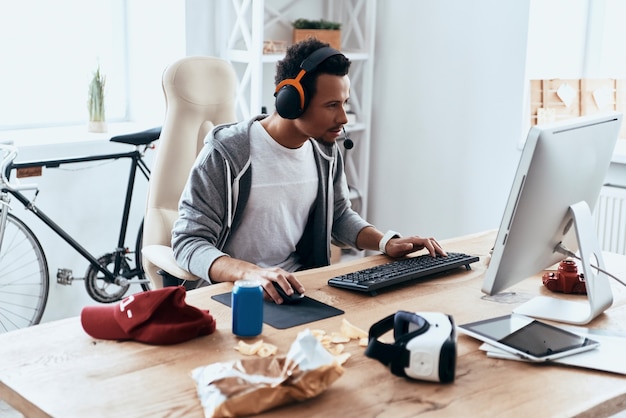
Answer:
(139, 138)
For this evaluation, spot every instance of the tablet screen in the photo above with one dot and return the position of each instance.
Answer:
(528, 336)
(540, 340)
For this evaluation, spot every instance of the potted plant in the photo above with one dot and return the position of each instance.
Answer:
(324, 30)
(95, 103)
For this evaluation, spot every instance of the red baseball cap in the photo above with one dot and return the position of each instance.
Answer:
(154, 317)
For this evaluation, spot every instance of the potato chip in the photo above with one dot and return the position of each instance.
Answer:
(248, 349)
(318, 333)
(336, 338)
(350, 331)
(259, 348)
(325, 340)
(267, 350)
(336, 349)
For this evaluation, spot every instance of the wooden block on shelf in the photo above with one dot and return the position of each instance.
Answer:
(332, 37)
(590, 96)
(597, 95)
(559, 94)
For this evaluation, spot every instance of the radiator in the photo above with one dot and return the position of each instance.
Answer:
(610, 219)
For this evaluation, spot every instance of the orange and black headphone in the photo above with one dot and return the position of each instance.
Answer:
(291, 97)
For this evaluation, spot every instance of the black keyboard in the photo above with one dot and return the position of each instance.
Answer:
(399, 271)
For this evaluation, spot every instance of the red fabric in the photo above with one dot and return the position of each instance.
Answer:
(153, 317)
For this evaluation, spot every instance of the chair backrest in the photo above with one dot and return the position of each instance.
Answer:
(199, 94)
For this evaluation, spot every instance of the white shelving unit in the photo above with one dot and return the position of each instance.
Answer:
(242, 26)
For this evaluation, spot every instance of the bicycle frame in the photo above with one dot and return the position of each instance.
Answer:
(136, 157)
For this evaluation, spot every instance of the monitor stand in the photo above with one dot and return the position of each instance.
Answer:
(599, 295)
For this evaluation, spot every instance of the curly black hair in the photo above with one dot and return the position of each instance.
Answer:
(289, 67)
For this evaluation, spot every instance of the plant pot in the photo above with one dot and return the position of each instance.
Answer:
(97, 126)
(332, 37)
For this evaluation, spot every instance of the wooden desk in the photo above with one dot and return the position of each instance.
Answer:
(56, 369)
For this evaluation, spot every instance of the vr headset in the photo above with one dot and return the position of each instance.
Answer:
(424, 347)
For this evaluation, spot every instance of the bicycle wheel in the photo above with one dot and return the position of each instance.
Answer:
(99, 288)
(141, 275)
(24, 277)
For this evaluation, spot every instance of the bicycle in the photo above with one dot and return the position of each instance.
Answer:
(24, 272)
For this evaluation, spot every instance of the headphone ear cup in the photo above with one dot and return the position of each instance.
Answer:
(291, 98)
(288, 102)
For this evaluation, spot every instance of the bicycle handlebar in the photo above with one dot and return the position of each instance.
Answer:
(10, 152)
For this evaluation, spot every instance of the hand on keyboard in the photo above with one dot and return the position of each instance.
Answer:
(399, 247)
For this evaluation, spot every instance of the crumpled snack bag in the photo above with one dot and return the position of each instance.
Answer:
(251, 386)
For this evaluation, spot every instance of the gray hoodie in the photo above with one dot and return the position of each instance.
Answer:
(217, 191)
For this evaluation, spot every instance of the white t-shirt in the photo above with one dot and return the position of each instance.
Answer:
(284, 187)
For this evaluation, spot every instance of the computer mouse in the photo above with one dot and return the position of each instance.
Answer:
(295, 297)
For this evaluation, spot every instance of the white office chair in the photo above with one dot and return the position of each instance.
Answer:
(199, 94)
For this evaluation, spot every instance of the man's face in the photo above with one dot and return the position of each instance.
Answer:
(325, 115)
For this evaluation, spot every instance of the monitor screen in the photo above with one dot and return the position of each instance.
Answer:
(561, 165)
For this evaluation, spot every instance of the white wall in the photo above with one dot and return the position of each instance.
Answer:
(448, 105)
(156, 39)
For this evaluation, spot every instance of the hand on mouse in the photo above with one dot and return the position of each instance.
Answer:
(279, 277)
(287, 298)
(275, 291)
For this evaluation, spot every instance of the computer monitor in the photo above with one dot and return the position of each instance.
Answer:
(558, 180)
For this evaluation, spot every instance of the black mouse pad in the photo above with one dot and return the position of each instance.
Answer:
(287, 316)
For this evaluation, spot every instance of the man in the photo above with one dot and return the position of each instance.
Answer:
(266, 196)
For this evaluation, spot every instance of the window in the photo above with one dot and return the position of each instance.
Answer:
(51, 49)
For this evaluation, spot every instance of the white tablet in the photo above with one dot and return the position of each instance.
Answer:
(528, 338)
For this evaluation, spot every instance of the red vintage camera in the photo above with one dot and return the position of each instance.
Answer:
(566, 279)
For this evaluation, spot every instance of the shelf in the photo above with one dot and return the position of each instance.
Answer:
(238, 55)
(244, 25)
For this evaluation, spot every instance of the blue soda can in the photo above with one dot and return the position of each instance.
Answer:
(247, 308)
